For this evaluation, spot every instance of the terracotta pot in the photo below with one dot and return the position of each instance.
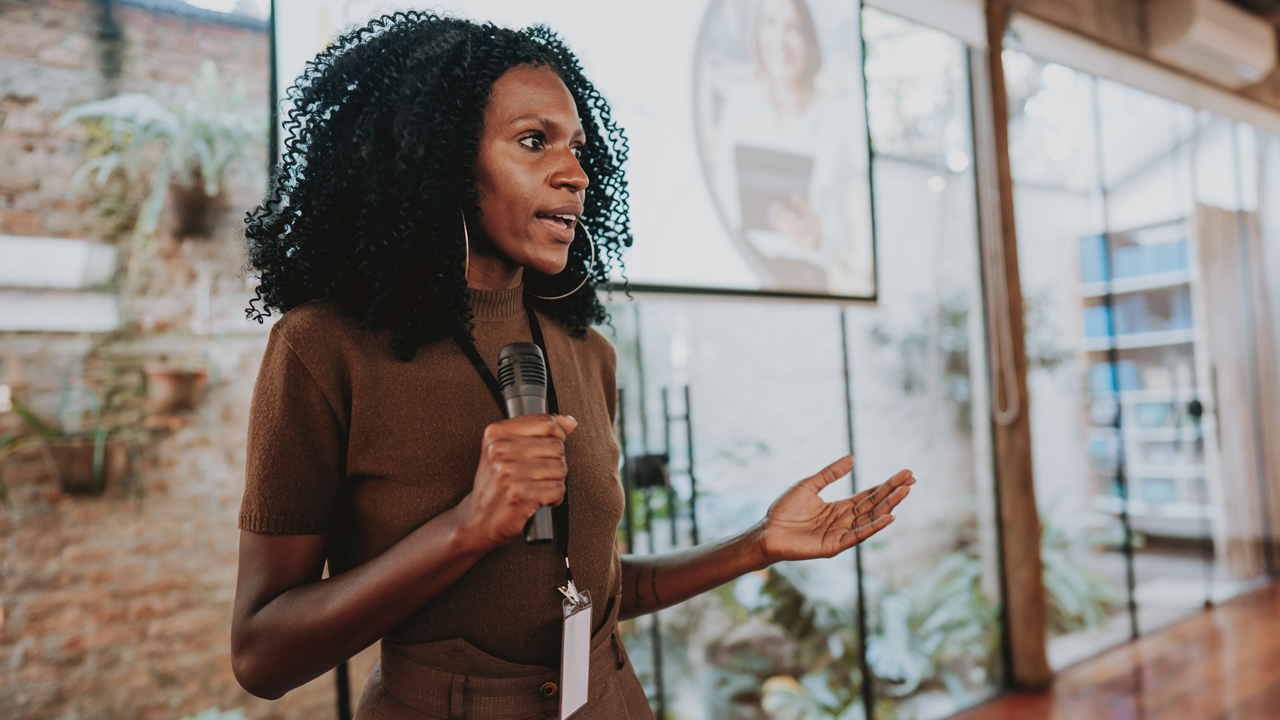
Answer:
(195, 214)
(73, 459)
(171, 388)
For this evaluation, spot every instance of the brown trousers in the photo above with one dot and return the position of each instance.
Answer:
(412, 683)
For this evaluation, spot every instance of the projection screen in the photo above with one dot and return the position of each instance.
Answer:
(746, 120)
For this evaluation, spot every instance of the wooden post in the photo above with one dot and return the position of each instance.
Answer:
(1011, 427)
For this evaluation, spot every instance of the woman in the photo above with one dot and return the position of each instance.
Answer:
(429, 202)
(781, 130)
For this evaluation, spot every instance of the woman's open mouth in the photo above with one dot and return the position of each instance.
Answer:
(564, 221)
(561, 225)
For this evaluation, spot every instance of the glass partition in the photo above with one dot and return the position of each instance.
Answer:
(919, 385)
(764, 408)
(1061, 223)
(1235, 370)
(1148, 506)
(768, 403)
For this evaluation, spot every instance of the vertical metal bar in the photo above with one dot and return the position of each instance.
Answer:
(655, 627)
(871, 155)
(640, 388)
(110, 47)
(868, 693)
(344, 691)
(693, 482)
(1113, 357)
(341, 678)
(666, 453)
(1192, 406)
(655, 637)
(1196, 410)
(273, 134)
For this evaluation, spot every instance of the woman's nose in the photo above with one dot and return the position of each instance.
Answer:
(570, 174)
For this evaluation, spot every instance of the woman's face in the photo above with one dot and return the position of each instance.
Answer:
(780, 40)
(531, 186)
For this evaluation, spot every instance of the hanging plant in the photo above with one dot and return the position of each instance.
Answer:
(180, 153)
(84, 462)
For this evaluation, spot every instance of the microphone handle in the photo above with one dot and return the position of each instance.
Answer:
(539, 530)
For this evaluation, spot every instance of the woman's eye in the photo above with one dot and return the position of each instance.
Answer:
(577, 151)
(533, 142)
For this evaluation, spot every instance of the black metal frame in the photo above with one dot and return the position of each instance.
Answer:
(649, 472)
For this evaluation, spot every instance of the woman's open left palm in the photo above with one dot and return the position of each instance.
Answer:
(800, 525)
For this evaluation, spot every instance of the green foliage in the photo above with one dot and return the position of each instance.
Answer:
(926, 635)
(40, 429)
(930, 634)
(1075, 598)
(821, 631)
(37, 425)
(821, 651)
(936, 348)
(810, 698)
(1040, 336)
(11, 441)
(7, 443)
(134, 137)
(934, 630)
(938, 343)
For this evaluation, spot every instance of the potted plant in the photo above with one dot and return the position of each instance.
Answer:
(171, 388)
(182, 153)
(84, 462)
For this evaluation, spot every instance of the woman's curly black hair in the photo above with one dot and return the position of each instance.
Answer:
(365, 209)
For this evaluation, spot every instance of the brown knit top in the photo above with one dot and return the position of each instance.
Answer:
(347, 441)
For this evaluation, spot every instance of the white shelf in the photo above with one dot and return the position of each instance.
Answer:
(1161, 434)
(1180, 471)
(1138, 283)
(1129, 397)
(58, 311)
(1141, 340)
(1161, 458)
(1137, 472)
(1140, 508)
(1174, 519)
(55, 263)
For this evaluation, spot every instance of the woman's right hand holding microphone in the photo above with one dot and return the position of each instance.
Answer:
(522, 468)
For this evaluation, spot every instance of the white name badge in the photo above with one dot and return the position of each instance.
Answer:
(575, 654)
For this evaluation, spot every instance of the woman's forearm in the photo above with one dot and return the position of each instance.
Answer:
(651, 583)
(289, 626)
(307, 629)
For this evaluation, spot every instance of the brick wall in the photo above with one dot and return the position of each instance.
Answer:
(119, 606)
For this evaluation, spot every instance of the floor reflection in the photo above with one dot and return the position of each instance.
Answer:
(1219, 664)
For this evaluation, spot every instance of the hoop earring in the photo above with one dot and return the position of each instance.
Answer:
(466, 247)
(592, 242)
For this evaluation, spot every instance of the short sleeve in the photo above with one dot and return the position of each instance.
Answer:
(296, 460)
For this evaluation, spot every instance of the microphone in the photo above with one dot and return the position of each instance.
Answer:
(522, 376)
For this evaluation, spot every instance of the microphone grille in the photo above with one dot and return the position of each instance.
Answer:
(521, 364)
(533, 371)
(506, 375)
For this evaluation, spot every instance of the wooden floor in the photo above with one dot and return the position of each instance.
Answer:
(1221, 664)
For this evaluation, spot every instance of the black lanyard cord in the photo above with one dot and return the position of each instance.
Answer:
(560, 513)
(536, 330)
(553, 406)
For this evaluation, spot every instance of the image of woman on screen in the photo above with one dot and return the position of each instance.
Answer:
(787, 151)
